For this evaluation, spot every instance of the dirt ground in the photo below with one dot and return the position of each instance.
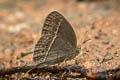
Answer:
(21, 22)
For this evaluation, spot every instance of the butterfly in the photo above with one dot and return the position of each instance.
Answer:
(57, 42)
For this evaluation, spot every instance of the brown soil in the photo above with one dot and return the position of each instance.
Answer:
(21, 23)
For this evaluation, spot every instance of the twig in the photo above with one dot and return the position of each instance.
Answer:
(24, 69)
(70, 68)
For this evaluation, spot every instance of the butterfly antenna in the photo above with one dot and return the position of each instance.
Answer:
(85, 39)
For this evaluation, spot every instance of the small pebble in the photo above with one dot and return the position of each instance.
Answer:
(107, 57)
(96, 37)
(105, 42)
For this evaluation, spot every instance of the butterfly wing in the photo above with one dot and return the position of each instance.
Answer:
(58, 41)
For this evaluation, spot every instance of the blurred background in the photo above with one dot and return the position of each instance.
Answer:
(21, 22)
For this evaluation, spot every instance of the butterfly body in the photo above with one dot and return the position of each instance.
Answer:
(57, 43)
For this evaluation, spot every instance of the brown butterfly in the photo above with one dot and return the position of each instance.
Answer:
(57, 43)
